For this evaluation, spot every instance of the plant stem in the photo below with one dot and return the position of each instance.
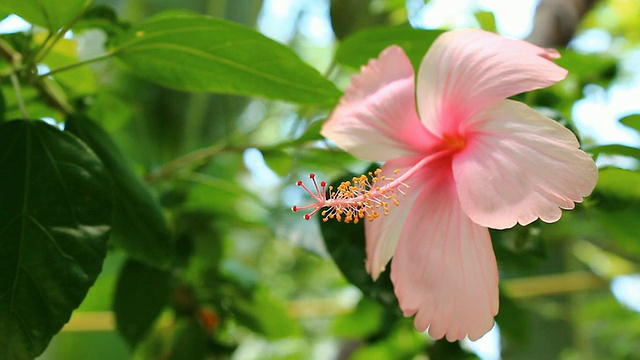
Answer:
(7, 51)
(197, 156)
(20, 99)
(80, 63)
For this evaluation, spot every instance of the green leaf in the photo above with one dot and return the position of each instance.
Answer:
(357, 49)
(54, 223)
(365, 320)
(52, 14)
(617, 188)
(487, 20)
(196, 53)
(279, 161)
(263, 314)
(3, 106)
(346, 245)
(189, 341)
(632, 121)
(141, 294)
(139, 226)
(615, 149)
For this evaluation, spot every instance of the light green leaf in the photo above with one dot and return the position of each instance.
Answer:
(487, 20)
(51, 14)
(365, 320)
(615, 149)
(201, 54)
(54, 222)
(357, 49)
(139, 226)
(617, 188)
(263, 314)
(632, 121)
(141, 294)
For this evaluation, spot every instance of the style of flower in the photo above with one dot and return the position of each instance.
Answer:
(460, 158)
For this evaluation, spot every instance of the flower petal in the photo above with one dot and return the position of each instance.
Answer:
(444, 270)
(466, 71)
(383, 233)
(518, 166)
(377, 118)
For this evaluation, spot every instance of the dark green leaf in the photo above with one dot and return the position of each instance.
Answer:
(615, 149)
(196, 53)
(513, 320)
(357, 49)
(346, 245)
(189, 341)
(100, 17)
(349, 16)
(139, 226)
(52, 14)
(2, 106)
(141, 294)
(54, 222)
(632, 121)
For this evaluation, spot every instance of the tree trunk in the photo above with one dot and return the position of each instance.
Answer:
(556, 21)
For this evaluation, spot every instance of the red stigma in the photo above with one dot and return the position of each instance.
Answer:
(294, 208)
(299, 183)
(312, 176)
(307, 216)
(323, 183)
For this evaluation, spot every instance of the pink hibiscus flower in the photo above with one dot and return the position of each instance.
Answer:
(466, 158)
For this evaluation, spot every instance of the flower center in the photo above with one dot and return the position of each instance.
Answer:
(367, 195)
(455, 142)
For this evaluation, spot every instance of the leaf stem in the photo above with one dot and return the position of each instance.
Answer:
(41, 54)
(80, 63)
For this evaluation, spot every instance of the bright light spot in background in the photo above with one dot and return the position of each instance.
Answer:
(513, 18)
(487, 347)
(445, 14)
(53, 122)
(598, 113)
(626, 289)
(278, 19)
(13, 24)
(591, 41)
(261, 174)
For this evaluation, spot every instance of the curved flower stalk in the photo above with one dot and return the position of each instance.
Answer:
(463, 158)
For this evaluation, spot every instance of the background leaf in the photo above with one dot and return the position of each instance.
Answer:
(138, 223)
(52, 14)
(357, 49)
(615, 149)
(141, 294)
(197, 53)
(54, 222)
